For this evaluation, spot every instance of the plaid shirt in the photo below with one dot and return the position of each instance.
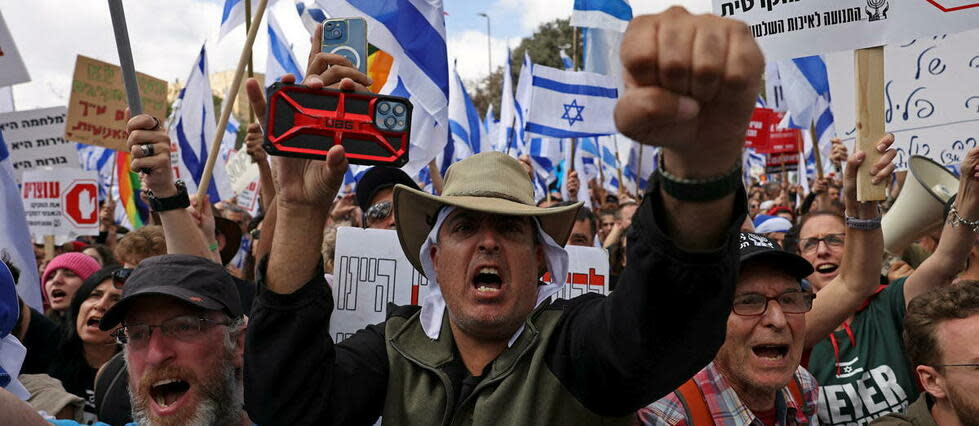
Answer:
(728, 410)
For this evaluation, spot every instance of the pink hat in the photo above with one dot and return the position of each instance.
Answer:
(82, 265)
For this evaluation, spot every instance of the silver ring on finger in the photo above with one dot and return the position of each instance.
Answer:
(147, 149)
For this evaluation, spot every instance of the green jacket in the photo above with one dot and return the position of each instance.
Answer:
(918, 414)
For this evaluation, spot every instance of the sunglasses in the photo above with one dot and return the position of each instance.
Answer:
(120, 276)
(378, 212)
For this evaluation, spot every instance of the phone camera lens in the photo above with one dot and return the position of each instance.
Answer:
(336, 34)
(384, 108)
(399, 109)
(401, 124)
(330, 24)
(390, 122)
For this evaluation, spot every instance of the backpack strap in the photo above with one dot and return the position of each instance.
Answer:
(694, 403)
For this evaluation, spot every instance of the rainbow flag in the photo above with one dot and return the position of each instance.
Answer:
(379, 65)
(129, 188)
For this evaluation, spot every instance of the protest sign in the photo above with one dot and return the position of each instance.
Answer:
(931, 96)
(775, 163)
(97, 108)
(794, 28)
(35, 138)
(248, 198)
(371, 271)
(61, 202)
(759, 129)
(12, 69)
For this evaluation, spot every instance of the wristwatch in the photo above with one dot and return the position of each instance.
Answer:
(179, 201)
(699, 190)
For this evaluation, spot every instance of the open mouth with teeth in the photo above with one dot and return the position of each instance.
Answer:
(771, 352)
(94, 321)
(827, 268)
(488, 281)
(58, 293)
(168, 392)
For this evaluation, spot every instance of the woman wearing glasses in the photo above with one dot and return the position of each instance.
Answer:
(84, 348)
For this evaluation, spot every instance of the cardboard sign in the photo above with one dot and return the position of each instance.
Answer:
(794, 28)
(931, 96)
(759, 129)
(61, 202)
(97, 108)
(241, 170)
(12, 69)
(35, 138)
(775, 162)
(248, 198)
(370, 271)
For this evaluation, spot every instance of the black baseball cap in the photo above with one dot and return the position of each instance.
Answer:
(754, 246)
(377, 178)
(194, 280)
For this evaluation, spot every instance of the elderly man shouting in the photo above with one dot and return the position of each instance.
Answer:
(487, 346)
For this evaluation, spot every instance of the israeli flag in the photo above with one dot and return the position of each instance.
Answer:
(15, 240)
(805, 86)
(233, 15)
(310, 16)
(570, 104)
(192, 126)
(280, 60)
(606, 14)
(566, 61)
(522, 103)
(466, 131)
(413, 33)
(508, 112)
(640, 165)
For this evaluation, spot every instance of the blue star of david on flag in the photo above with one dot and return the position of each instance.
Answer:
(567, 112)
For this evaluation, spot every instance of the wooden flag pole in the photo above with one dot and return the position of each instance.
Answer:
(251, 73)
(815, 152)
(212, 156)
(574, 61)
(48, 247)
(869, 68)
(433, 171)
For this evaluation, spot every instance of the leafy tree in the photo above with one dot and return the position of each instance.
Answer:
(543, 46)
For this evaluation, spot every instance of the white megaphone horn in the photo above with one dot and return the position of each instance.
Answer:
(920, 206)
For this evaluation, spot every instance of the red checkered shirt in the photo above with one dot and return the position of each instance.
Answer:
(728, 410)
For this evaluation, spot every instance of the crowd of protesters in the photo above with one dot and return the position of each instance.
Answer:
(735, 303)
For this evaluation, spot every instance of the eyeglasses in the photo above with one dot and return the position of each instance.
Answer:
(811, 244)
(185, 327)
(955, 365)
(119, 277)
(754, 304)
(378, 212)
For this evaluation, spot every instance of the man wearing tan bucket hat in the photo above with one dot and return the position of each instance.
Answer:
(487, 346)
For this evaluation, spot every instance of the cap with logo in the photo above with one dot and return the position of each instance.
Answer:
(190, 279)
(756, 247)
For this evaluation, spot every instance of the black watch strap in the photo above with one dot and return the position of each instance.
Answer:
(179, 201)
(699, 190)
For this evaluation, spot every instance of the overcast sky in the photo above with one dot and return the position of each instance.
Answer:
(166, 36)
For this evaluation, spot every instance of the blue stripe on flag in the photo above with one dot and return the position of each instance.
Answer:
(813, 68)
(577, 89)
(823, 123)
(616, 8)
(282, 55)
(228, 6)
(558, 133)
(417, 37)
(456, 128)
(3, 148)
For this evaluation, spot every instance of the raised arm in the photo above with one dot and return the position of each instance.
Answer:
(862, 257)
(956, 241)
(691, 82)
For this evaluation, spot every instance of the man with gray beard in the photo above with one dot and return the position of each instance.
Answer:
(183, 331)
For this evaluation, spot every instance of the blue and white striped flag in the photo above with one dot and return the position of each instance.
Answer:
(192, 127)
(467, 132)
(508, 112)
(522, 103)
(606, 14)
(15, 240)
(103, 161)
(280, 60)
(570, 104)
(310, 15)
(566, 61)
(233, 15)
(413, 33)
(805, 86)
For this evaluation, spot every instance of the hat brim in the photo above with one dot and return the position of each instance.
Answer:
(415, 212)
(117, 312)
(793, 264)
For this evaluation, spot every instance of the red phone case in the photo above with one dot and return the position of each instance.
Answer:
(304, 122)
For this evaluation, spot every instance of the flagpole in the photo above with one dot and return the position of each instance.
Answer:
(639, 174)
(251, 73)
(433, 171)
(212, 156)
(574, 61)
(618, 163)
(869, 72)
(815, 152)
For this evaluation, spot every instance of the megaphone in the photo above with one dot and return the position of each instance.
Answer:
(920, 207)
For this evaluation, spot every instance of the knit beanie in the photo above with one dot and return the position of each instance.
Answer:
(82, 265)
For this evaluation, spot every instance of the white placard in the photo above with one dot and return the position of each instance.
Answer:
(12, 69)
(931, 96)
(241, 170)
(248, 198)
(794, 28)
(36, 138)
(370, 270)
(61, 202)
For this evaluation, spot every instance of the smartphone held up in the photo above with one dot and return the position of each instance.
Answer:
(305, 122)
